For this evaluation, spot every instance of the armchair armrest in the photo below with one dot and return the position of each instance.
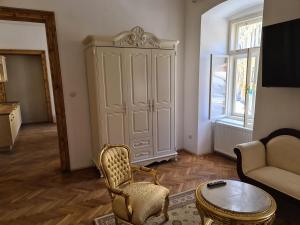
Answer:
(250, 156)
(121, 193)
(146, 170)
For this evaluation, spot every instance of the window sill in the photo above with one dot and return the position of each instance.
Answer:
(233, 122)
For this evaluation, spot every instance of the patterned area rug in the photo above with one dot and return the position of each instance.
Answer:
(183, 211)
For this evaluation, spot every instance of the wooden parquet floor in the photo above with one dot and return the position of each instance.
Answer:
(34, 191)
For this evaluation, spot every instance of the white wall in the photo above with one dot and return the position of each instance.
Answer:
(214, 40)
(193, 13)
(277, 107)
(170, 19)
(75, 20)
(197, 129)
(26, 85)
(26, 36)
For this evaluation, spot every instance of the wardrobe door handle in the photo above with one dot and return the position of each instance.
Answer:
(149, 106)
(153, 105)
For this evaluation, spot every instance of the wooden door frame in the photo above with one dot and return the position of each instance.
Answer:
(48, 18)
(42, 55)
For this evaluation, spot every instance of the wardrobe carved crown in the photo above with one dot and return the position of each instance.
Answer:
(134, 38)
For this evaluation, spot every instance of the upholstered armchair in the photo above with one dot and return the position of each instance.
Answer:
(132, 202)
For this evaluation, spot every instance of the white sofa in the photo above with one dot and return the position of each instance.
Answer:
(272, 163)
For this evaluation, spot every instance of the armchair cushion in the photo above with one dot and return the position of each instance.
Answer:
(279, 179)
(253, 155)
(284, 152)
(146, 199)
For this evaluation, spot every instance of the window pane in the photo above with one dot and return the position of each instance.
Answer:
(249, 35)
(239, 86)
(218, 86)
(252, 86)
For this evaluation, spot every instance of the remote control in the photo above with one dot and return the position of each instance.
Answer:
(216, 184)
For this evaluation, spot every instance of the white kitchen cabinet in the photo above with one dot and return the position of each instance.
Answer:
(3, 71)
(10, 123)
(131, 83)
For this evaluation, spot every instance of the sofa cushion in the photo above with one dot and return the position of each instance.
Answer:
(284, 152)
(279, 179)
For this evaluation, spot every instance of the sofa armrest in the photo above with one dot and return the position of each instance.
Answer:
(250, 156)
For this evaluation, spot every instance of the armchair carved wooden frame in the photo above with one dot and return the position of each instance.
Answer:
(118, 172)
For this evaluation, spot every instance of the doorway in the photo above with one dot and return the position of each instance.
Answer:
(29, 84)
(48, 20)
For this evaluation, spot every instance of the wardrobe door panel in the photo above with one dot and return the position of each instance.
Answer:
(164, 129)
(115, 128)
(138, 75)
(140, 122)
(112, 78)
(163, 88)
(163, 78)
(113, 91)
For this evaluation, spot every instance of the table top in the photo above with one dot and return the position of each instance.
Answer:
(236, 196)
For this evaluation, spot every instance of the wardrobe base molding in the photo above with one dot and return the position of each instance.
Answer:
(145, 162)
(168, 157)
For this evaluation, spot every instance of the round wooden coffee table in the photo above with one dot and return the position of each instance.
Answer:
(235, 203)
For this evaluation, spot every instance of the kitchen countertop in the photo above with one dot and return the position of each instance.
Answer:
(7, 107)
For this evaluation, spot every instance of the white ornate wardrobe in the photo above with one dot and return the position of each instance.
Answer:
(131, 83)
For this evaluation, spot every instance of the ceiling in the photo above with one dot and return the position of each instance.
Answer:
(230, 8)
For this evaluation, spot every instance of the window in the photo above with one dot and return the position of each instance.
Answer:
(218, 100)
(234, 76)
(246, 33)
(239, 85)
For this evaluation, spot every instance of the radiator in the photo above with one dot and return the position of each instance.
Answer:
(226, 137)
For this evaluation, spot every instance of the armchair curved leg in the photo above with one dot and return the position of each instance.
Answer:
(116, 221)
(165, 209)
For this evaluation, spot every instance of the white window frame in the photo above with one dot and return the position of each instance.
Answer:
(213, 57)
(238, 53)
(247, 53)
(233, 58)
(235, 24)
(252, 52)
